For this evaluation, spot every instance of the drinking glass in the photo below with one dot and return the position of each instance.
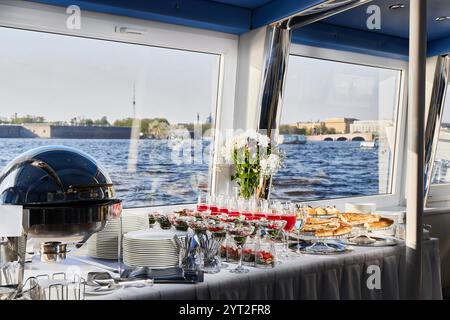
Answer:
(233, 207)
(222, 203)
(264, 205)
(248, 252)
(247, 207)
(209, 245)
(288, 215)
(187, 246)
(239, 233)
(12, 259)
(213, 206)
(302, 215)
(265, 256)
(270, 231)
(203, 202)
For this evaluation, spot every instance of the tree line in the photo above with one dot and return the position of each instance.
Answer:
(156, 128)
(290, 129)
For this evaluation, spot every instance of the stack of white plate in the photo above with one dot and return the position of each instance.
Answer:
(104, 244)
(151, 248)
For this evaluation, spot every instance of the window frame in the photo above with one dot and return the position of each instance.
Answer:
(52, 19)
(439, 192)
(397, 195)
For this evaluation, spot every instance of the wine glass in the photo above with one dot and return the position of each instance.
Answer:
(239, 233)
(288, 215)
(271, 228)
(302, 215)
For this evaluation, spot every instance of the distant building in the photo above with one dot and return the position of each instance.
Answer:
(310, 126)
(369, 126)
(340, 125)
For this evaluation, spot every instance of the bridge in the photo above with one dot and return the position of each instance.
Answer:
(342, 137)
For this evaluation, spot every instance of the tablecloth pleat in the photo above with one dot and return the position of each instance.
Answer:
(344, 276)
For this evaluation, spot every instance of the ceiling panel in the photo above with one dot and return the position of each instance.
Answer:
(396, 22)
(238, 16)
(250, 4)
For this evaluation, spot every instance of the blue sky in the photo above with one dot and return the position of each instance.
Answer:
(60, 77)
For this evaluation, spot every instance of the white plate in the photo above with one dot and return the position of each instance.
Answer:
(147, 247)
(156, 252)
(155, 260)
(153, 257)
(162, 259)
(152, 234)
(152, 252)
(149, 263)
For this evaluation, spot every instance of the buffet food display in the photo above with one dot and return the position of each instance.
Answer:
(184, 244)
(260, 235)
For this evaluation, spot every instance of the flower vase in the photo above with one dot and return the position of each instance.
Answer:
(263, 189)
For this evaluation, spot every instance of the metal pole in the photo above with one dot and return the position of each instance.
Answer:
(274, 77)
(277, 57)
(416, 124)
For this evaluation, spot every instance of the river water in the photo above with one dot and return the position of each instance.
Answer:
(158, 176)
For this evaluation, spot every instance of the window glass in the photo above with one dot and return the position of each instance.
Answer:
(441, 169)
(132, 107)
(338, 126)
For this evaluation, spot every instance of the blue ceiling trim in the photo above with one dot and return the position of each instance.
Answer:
(279, 9)
(339, 38)
(440, 46)
(194, 13)
(250, 4)
(218, 16)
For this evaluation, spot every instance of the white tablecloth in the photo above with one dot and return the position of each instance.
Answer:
(341, 276)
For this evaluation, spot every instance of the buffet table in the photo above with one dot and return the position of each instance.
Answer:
(342, 276)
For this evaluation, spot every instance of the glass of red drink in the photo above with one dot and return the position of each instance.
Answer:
(273, 216)
(290, 219)
(247, 214)
(289, 215)
(203, 202)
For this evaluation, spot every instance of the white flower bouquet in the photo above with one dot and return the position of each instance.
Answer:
(254, 158)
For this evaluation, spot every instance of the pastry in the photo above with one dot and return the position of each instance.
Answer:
(331, 210)
(326, 227)
(311, 220)
(381, 224)
(315, 227)
(310, 210)
(320, 211)
(358, 218)
(343, 229)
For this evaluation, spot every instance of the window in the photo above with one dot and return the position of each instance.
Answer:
(132, 107)
(339, 126)
(441, 169)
